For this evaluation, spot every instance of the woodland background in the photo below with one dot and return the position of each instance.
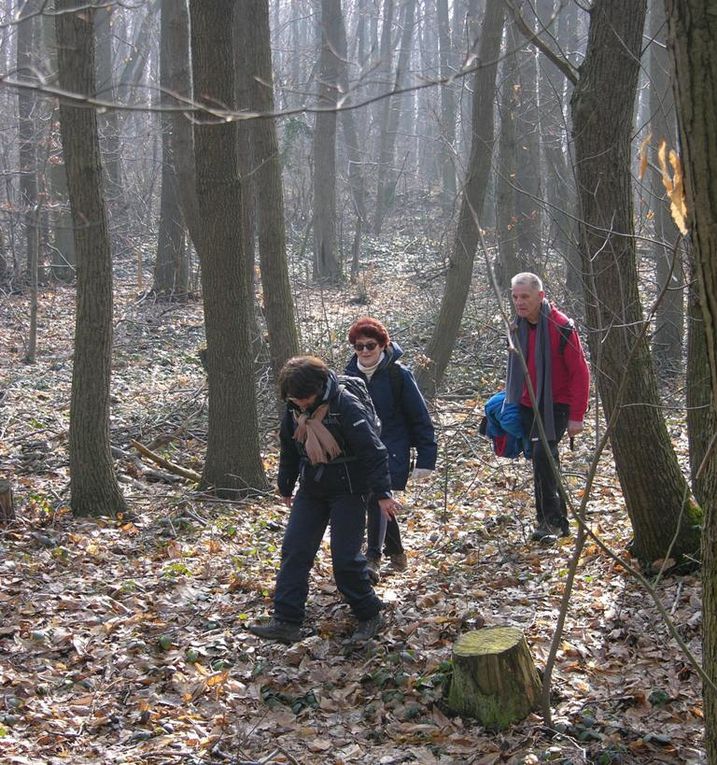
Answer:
(192, 193)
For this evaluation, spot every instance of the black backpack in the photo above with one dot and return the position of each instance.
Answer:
(357, 387)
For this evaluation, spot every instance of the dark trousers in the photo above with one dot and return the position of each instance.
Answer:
(381, 534)
(309, 518)
(549, 505)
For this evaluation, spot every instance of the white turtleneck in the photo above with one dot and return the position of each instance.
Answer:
(368, 371)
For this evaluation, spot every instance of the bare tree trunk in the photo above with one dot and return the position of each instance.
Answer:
(171, 269)
(692, 26)
(278, 300)
(511, 259)
(387, 178)
(233, 464)
(664, 518)
(93, 485)
(669, 332)
(175, 16)
(460, 269)
(326, 261)
(448, 106)
(27, 138)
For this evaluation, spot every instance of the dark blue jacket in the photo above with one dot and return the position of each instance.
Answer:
(362, 467)
(404, 423)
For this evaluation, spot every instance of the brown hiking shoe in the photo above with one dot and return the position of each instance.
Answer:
(275, 629)
(399, 561)
(373, 569)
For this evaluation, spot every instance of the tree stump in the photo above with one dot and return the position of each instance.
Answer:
(7, 505)
(494, 678)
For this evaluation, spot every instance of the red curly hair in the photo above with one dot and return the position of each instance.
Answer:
(369, 327)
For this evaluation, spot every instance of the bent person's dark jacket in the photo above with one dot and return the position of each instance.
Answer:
(362, 467)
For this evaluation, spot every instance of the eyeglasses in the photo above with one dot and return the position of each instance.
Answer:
(370, 346)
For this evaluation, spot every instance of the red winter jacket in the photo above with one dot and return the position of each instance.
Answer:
(569, 371)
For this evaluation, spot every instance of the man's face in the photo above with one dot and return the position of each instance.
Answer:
(304, 403)
(527, 301)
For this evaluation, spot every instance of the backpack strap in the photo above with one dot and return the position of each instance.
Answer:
(565, 331)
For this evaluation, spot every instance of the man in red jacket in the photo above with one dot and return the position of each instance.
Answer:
(560, 379)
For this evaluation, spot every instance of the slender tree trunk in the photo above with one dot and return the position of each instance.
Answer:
(663, 516)
(233, 464)
(27, 137)
(171, 269)
(668, 336)
(692, 26)
(448, 106)
(460, 269)
(278, 300)
(179, 80)
(326, 261)
(511, 259)
(93, 485)
(387, 178)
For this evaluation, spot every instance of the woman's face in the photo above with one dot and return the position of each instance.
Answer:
(368, 350)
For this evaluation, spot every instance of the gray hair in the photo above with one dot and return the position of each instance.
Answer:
(527, 279)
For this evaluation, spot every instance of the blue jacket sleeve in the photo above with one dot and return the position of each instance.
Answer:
(418, 419)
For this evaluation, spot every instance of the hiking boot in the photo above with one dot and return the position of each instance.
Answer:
(367, 629)
(275, 629)
(399, 561)
(373, 569)
(546, 533)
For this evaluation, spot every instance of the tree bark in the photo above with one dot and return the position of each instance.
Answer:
(448, 106)
(460, 268)
(233, 464)
(326, 261)
(692, 27)
(171, 269)
(276, 288)
(667, 339)
(27, 138)
(664, 519)
(93, 485)
(387, 179)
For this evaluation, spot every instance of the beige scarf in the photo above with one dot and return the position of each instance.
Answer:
(318, 442)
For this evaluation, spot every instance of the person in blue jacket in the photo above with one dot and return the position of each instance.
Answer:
(405, 423)
(329, 445)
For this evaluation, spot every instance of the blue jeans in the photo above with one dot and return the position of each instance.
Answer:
(310, 515)
(549, 505)
(381, 535)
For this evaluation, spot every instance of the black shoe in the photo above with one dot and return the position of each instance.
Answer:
(368, 629)
(546, 532)
(373, 569)
(275, 629)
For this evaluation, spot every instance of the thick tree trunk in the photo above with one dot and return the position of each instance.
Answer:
(93, 486)
(278, 300)
(233, 464)
(664, 518)
(460, 269)
(326, 260)
(692, 30)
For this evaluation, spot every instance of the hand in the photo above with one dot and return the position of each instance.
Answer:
(389, 507)
(574, 427)
(420, 474)
(287, 501)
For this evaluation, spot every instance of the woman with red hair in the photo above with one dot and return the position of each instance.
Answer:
(405, 424)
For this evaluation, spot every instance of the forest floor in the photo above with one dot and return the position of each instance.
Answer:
(125, 640)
